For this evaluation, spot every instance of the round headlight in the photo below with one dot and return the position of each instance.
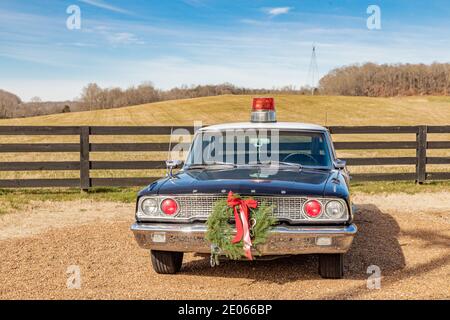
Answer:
(335, 209)
(149, 206)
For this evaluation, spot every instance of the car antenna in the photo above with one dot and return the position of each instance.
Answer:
(169, 160)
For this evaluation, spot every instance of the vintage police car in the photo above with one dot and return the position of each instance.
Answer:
(291, 166)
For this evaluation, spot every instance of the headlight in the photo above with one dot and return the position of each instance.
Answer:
(149, 206)
(335, 209)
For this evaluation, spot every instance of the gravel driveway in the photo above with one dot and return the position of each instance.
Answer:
(406, 236)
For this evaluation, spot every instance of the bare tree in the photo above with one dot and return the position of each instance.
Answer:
(91, 96)
(35, 99)
(8, 104)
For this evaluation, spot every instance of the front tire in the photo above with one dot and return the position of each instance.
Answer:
(331, 266)
(166, 262)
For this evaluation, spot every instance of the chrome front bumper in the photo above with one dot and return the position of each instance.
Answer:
(283, 240)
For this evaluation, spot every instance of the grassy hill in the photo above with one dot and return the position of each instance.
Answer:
(211, 110)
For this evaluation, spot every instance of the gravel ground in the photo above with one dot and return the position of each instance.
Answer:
(411, 246)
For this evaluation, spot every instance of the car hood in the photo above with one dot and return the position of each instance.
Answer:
(247, 181)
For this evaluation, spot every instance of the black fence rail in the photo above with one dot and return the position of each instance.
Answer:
(420, 144)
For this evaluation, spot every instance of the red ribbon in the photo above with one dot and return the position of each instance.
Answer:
(242, 220)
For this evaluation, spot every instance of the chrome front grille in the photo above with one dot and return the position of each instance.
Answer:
(200, 206)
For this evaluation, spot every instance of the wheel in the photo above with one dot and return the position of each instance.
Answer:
(331, 266)
(166, 262)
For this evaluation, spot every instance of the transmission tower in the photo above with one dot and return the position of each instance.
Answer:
(313, 72)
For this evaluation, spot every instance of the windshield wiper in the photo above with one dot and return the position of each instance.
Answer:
(212, 164)
(298, 165)
(283, 165)
(286, 164)
(316, 168)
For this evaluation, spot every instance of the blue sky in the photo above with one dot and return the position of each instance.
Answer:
(252, 43)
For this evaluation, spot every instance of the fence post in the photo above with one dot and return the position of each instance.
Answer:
(85, 181)
(421, 153)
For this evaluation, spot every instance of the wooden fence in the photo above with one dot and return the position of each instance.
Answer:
(85, 147)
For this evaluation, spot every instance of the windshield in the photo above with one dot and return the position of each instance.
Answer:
(259, 147)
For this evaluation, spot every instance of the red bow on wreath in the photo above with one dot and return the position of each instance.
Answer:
(242, 220)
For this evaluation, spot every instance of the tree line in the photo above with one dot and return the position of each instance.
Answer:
(94, 97)
(387, 80)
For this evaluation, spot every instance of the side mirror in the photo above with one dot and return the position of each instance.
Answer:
(340, 164)
(173, 164)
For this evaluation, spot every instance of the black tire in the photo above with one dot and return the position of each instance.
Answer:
(166, 262)
(331, 266)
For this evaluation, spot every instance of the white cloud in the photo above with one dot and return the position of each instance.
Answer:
(277, 11)
(116, 37)
(103, 5)
(47, 89)
(124, 38)
(194, 3)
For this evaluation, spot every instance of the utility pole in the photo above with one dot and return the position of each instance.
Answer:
(313, 71)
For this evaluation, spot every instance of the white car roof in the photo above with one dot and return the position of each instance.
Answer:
(265, 125)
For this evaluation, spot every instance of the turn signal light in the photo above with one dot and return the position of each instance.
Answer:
(313, 208)
(169, 207)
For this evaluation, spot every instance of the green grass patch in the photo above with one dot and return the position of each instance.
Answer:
(15, 199)
(99, 194)
(407, 187)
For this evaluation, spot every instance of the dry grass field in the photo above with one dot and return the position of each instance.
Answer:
(321, 110)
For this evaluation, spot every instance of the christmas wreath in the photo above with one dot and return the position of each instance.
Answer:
(253, 221)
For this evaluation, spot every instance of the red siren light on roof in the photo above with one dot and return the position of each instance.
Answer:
(263, 104)
(263, 110)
